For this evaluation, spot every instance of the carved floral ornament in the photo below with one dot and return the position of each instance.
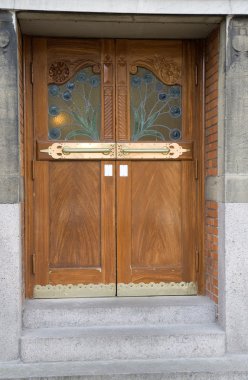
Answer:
(59, 72)
(167, 70)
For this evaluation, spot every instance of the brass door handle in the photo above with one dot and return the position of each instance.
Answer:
(164, 150)
(69, 150)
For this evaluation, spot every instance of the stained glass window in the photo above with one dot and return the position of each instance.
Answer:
(156, 111)
(74, 108)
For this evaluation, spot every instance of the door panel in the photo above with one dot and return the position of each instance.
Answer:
(74, 199)
(156, 201)
(156, 214)
(75, 228)
(75, 214)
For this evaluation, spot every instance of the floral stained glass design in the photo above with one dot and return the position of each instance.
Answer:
(74, 108)
(156, 111)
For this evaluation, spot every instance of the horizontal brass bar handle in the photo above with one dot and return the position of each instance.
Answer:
(164, 150)
(69, 150)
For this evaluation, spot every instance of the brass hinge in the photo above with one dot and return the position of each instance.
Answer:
(31, 73)
(196, 75)
(33, 169)
(196, 169)
(197, 259)
(33, 263)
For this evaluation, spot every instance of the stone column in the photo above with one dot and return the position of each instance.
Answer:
(10, 247)
(234, 205)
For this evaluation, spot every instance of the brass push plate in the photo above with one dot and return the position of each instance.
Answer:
(147, 151)
(122, 151)
(79, 151)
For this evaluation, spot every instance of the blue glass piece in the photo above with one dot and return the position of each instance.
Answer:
(67, 95)
(163, 96)
(175, 111)
(53, 90)
(94, 81)
(54, 133)
(136, 81)
(155, 108)
(175, 134)
(53, 111)
(81, 77)
(175, 91)
(70, 86)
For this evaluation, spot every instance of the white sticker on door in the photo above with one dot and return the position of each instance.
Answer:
(108, 170)
(123, 171)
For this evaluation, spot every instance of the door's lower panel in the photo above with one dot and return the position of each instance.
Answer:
(75, 291)
(157, 289)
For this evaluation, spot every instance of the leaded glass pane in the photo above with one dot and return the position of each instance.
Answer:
(74, 108)
(156, 111)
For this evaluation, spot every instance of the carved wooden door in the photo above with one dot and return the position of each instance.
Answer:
(113, 155)
(74, 177)
(156, 187)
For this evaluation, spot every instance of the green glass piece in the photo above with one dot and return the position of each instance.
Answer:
(74, 108)
(156, 110)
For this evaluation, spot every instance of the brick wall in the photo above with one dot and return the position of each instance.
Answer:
(211, 142)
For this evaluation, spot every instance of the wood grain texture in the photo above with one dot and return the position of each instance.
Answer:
(40, 100)
(199, 136)
(162, 57)
(74, 55)
(156, 214)
(74, 214)
(41, 222)
(108, 224)
(188, 220)
(124, 220)
(28, 158)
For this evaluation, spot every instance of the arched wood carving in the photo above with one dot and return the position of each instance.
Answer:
(167, 70)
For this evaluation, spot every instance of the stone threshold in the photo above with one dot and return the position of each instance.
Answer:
(116, 311)
(225, 367)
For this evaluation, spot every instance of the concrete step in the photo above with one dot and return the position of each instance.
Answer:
(227, 367)
(136, 311)
(122, 343)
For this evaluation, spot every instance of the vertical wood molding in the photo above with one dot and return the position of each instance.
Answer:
(122, 92)
(108, 119)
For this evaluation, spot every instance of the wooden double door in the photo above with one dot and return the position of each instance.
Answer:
(111, 183)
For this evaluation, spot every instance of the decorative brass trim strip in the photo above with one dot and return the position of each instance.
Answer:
(73, 291)
(157, 289)
(150, 151)
(80, 151)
